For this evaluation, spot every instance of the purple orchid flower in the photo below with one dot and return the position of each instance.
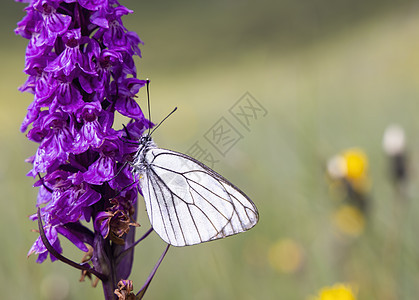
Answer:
(81, 71)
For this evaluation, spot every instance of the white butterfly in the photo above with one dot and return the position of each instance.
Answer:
(187, 202)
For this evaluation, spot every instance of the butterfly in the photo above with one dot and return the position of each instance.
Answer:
(187, 202)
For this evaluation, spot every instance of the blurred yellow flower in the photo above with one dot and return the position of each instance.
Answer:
(349, 220)
(356, 164)
(286, 256)
(350, 167)
(337, 292)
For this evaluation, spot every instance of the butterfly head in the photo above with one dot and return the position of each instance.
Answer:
(146, 142)
(145, 139)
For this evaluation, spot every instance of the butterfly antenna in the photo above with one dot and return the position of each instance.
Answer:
(148, 104)
(163, 120)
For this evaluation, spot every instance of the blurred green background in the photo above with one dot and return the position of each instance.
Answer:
(331, 74)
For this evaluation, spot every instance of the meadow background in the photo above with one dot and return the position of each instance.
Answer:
(331, 74)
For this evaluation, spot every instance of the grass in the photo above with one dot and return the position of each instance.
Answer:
(322, 97)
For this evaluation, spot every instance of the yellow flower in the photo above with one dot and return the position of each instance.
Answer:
(286, 256)
(356, 164)
(352, 166)
(349, 220)
(337, 292)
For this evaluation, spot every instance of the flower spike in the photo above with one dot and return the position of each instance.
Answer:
(81, 72)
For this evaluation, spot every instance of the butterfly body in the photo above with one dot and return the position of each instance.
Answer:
(187, 202)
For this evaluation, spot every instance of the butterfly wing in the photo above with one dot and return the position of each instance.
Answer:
(189, 203)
